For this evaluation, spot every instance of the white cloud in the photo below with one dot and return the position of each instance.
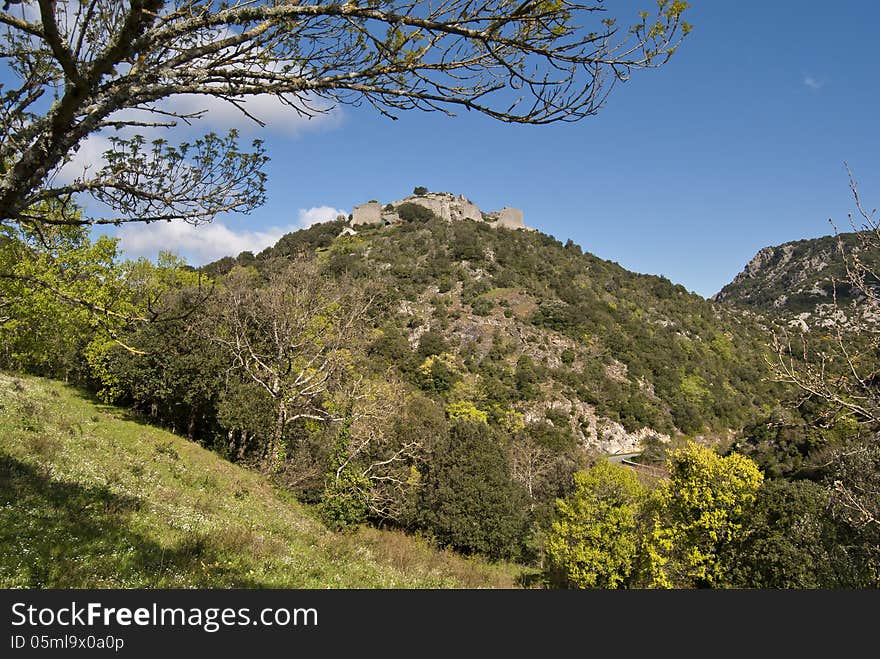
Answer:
(87, 160)
(813, 83)
(310, 216)
(222, 115)
(208, 242)
(280, 119)
(199, 244)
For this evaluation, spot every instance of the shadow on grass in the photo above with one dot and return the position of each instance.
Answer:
(56, 534)
(112, 411)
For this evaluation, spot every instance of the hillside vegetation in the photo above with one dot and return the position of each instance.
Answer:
(91, 498)
(549, 330)
(446, 380)
(359, 369)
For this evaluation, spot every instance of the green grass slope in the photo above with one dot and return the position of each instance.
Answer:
(92, 499)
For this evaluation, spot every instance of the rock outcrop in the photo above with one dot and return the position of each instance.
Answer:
(509, 218)
(800, 277)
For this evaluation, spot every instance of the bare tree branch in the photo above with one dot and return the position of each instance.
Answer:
(532, 61)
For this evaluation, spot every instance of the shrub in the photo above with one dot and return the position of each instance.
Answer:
(789, 541)
(410, 212)
(482, 306)
(701, 509)
(343, 506)
(431, 343)
(468, 500)
(594, 541)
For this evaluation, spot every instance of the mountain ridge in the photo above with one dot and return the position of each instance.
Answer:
(804, 281)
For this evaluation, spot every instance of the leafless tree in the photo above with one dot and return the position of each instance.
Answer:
(840, 369)
(838, 362)
(289, 337)
(78, 67)
(529, 464)
(372, 459)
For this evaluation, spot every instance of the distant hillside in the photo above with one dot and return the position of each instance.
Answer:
(796, 277)
(581, 348)
(92, 499)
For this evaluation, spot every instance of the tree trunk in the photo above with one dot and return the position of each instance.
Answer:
(242, 447)
(191, 425)
(276, 445)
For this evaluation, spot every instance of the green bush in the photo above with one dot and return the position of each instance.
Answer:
(789, 541)
(594, 541)
(410, 212)
(482, 306)
(468, 500)
(343, 506)
(431, 343)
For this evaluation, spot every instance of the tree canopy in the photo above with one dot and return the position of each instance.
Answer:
(594, 541)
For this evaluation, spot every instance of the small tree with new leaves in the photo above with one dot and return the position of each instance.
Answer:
(698, 512)
(594, 541)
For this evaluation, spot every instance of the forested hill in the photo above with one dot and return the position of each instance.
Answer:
(515, 321)
(798, 276)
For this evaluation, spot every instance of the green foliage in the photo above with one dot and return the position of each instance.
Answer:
(852, 477)
(392, 347)
(594, 541)
(172, 377)
(468, 500)
(420, 191)
(700, 510)
(528, 377)
(482, 306)
(690, 366)
(790, 280)
(344, 502)
(412, 212)
(97, 500)
(59, 293)
(783, 445)
(578, 329)
(243, 413)
(655, 451)
(439, 373)
(789, 541)
(432, 343)
(464, 410)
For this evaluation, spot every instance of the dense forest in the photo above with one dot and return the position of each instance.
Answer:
(464, 383)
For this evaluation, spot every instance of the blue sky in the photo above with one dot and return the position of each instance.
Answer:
(737, 143)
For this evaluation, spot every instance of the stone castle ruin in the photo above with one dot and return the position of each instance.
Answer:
(445, 205)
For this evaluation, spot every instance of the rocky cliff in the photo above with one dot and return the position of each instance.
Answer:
(795, 277)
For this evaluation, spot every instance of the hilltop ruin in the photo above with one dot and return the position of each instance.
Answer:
(445, 205)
